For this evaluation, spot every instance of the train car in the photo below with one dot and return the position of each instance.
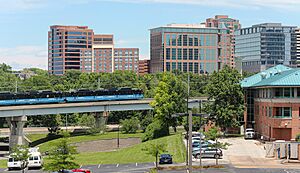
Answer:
(82, 95)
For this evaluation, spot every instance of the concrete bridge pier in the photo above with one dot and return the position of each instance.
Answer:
(101, 119)
(16, 125)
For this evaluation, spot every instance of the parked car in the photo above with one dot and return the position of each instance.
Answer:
(35, 160)
(63, 171)
(165, 158)
(13, 164)
(195, 134)
(249, 133)
(81, 170)
(208, 153)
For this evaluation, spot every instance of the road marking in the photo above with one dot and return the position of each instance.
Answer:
(154, 163)
(117, 165)
(80, 166)
(286, 171)
(99, 165)
(135, 164)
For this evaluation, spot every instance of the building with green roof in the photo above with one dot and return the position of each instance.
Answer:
(272, 102)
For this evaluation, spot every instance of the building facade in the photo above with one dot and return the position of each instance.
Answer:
(297, 31)
(144, 67)
(68, 46)
(265, 45)
(272, 100)
(78, 48)
(126, 59)
(189, 48)
(224, 22)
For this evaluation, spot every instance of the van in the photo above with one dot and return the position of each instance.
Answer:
(35, 160)
(13, 164)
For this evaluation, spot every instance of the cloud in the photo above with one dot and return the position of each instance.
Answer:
(25, 57)
(290, 4)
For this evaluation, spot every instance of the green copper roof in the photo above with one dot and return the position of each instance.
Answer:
(279, 75)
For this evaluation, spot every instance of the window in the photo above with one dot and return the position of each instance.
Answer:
(173, 53)
(190, 67)
(168, 66)
(196, 40)
(190, 40)
(179, 66)
(168, 39)
(196, 68)
(179, 40)
(173, 65)
(184, 67)
(283, 112)
(179, 55)
(196, 53)
(168, 53)
(184, 54)
(190, 54)
(173, 39)
(184, 40)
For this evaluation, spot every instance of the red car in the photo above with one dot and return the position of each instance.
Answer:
(82, 170)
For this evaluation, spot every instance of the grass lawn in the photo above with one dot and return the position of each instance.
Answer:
(135, 153)
(74, 139)
(3, 163)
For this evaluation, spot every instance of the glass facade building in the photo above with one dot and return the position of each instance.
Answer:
(188, 48)
(265, 45)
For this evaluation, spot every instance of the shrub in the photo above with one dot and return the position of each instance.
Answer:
(130, 125)
(146, 121)
(154, 130)
(297, 137)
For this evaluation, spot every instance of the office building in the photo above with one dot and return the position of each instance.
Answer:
(189, 48)
(297, 32)
(144, 67)
(68, 46)
(265, 45)
(126, 59)
(272, 103)
(224, 22)
(103, 48)
(78, 48)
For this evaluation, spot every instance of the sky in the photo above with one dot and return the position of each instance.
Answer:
(24, 23)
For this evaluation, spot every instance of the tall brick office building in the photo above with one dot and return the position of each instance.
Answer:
(272, 102)
(78, 48)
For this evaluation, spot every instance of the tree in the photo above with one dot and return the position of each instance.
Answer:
(130, 125)
(214, 134)
(61, 156)
(225, 97)
(5, 68)
(21, 153)
(148, 119)
(169, 99)
(154, 149)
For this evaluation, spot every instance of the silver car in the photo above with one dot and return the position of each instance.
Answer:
(208, 153)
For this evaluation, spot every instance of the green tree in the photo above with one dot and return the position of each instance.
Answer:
(61, 157)
(169, 99)
(225, 97)
(148, 119)
(5, 68)
(153, 131)
(214, 134)
(154, 149)
(130, 125)
(21, 153)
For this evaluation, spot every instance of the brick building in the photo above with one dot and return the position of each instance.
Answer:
(144, 67)
(78, 48)
(272, 102)
(225, 22)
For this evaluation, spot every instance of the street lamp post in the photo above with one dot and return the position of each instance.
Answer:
(118, 140)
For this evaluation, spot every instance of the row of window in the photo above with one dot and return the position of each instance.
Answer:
(276, 112)
(190, 40)
(199, 68)
(279, 93)
(191, 54)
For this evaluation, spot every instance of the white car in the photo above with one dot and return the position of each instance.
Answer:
(35, 160)
(13, 164)
(249, 133)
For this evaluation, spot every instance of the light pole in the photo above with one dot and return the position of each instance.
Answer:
(118, 140)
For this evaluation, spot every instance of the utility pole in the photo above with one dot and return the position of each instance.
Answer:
(98, 86)
(187, 117)
(16, 87)
(190, 142)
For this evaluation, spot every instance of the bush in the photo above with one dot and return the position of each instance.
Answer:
(297, 137)
(130, 125)
(154, 130)
(146, 121)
